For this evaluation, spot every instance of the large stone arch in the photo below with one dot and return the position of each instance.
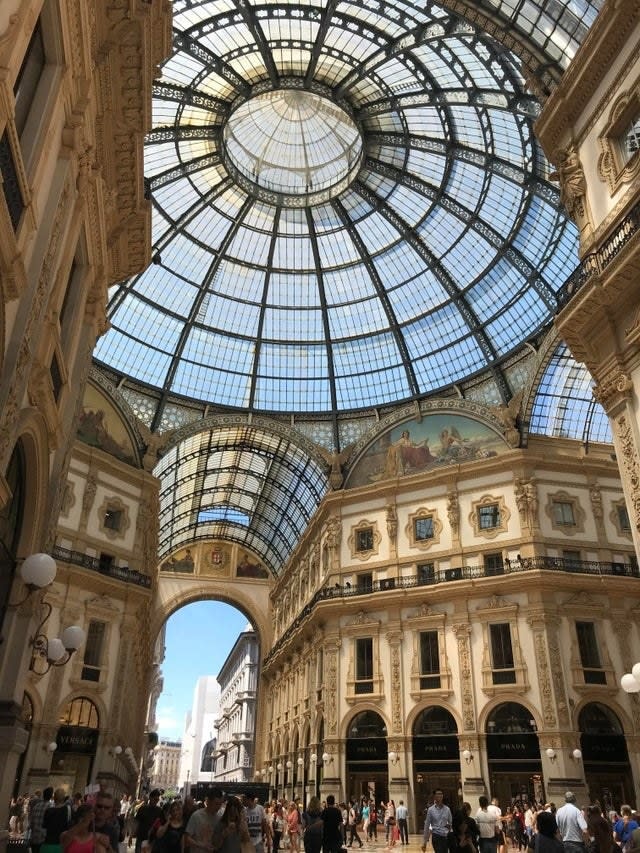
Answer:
(251, 598)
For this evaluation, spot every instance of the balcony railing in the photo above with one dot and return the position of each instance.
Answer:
(596, 262)
(94, 564)
(454, 575)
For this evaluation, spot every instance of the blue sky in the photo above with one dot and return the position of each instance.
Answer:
(199, 638)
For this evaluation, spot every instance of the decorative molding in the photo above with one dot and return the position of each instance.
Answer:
(630, 467)
(612, 165)
(577, 512)
(352, 541)
(410, 529)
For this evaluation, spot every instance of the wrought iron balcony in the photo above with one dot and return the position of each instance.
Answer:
(95, 564)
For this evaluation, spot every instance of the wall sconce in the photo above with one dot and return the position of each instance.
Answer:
(56, 652)
(300, 761)
(37, 572)
(313, 758)
(394, 757)
(279, 766)
(467, 755)
(51, 747)
(289, 765)
(630, 681)
(270, 770)
(117, 750)
(551, 753)
(576, 754)
(326, 758)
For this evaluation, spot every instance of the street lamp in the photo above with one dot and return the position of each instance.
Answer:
(630, 681)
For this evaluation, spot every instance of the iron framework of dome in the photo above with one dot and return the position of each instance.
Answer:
(349, 206)
(350, 211)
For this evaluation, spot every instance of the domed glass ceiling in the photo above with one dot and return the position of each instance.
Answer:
(349, 205)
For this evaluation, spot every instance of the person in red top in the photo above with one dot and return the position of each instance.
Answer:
(293, 827)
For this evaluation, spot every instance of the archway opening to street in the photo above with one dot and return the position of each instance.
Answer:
(203, 704)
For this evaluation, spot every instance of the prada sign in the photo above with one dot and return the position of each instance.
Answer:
(77, 739)
(436, 748)
(609, 748)
(367, 749)
(513, 747)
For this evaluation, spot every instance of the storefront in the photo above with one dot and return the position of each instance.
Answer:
(605, 757)
(367, 758)
(77, 744)
(513, 753)
(436, 760)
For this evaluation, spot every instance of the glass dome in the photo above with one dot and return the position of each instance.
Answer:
(350, 208)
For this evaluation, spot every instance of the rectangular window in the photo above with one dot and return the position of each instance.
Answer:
(429, 660)
(423, 528)
(426, 573)
(364, 665)
(623, 519)
(563, 513)
(488, 516)
(631, 139)
(10, 182)
(502, 662)
(106, 562)
(589, 653)
(493, 564)
(572, 560)
(93, 650)
(113, 519)
(364, 539)
(29, 77)
(364, 582)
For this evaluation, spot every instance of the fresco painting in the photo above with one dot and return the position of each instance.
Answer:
(246, 568)
(182, 562)
(416, 446)
(216, 561)
(101, 426)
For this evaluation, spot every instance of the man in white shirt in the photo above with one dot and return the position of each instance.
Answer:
(256, 822)
(198, 835)
(572, 825)
(402, 813)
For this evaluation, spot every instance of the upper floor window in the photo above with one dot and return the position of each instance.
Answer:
(488, 516)
(423, 528)
(426, 573)
(364, 582)
(630, 141)
(429, 660)
(93, 650)
(29, 77)
(364, 665)
(623, 518)
(364, 539)
(590, 653)
(502, 661)
(563, 513)
(494, 564)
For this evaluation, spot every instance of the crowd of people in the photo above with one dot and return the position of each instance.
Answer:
(50, 821)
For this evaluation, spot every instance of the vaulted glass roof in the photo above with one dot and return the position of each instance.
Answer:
(350, 208)
(350, 211)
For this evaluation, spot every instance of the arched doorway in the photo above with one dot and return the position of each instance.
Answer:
(367, 757)
(436, 759)
(77, 741)
(513, 750)
(605, 757)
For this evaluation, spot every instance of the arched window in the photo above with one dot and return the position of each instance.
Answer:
(435, 721)
(367, 724)
(597, 719)
(81, 712)
(510, 717)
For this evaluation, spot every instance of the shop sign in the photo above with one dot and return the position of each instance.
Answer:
(609, 748)
(77, 739)
(513, 747)
(367, 749)
(436, 748)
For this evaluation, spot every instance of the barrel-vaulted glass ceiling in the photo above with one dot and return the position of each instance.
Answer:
(350, 208)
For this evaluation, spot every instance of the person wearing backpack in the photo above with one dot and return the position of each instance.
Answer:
(354, 820)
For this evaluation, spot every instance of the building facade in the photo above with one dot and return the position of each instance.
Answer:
(166, 765)
(238, 679)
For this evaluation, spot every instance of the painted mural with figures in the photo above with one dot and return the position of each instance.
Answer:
(435, 441)
(215, 560)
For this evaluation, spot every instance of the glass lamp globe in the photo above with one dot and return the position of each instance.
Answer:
(51, 747)
(55, 650)
(72, 637)
(38, 570)
(635, 671)
(325, 756)
(629, 683)
(117, 750)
